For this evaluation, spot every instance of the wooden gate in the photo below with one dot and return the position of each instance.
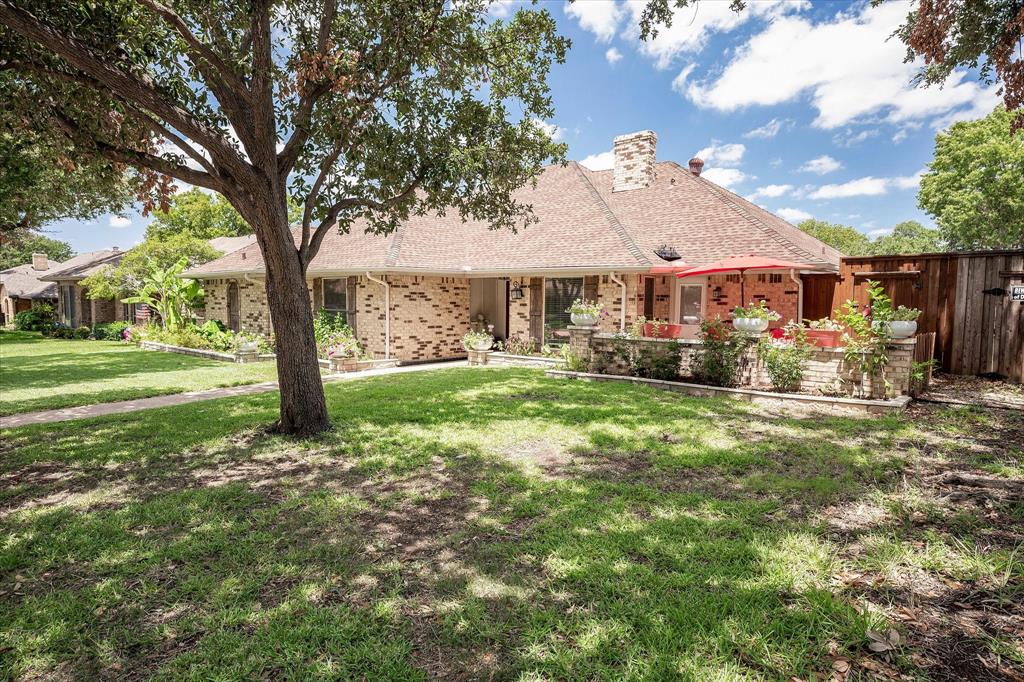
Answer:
(976, 332)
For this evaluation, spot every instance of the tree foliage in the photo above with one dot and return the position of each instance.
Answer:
(908, 236)
(130, 275)
(847, 240)
(199, 214)
(172, 297)
(19, 249)
(364, 112)
(974, 187)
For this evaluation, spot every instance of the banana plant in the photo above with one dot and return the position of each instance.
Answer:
(170, 295)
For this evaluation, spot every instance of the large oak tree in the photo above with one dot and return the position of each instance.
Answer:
(365, 109)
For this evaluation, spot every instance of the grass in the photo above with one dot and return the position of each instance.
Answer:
(498, 524)
(38, 373)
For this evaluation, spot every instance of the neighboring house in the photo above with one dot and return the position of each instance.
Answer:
(75, 308)
(412, 295)
(21, 288)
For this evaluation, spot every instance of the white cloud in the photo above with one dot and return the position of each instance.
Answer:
(679, 82)
(770, 192)
(908, 181)
(693, 26)
(719, 154)
(554, 132)
(612, 55)
(880, 232)
(501, 8)
(600, 17)
(775, 163)
(793, 215)
(726, 177)
(849, 67)
(821, 165)
(769, 129)
(597, 162)
(848, 138)
(119, 222)
(899, 136)
(866, 187)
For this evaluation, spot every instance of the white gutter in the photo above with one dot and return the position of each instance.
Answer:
(387, 313)
(799, 296)
(622, 308)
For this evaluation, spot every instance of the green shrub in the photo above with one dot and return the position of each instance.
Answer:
(110, 331)
(82, 332)
(785, 362)
(719, 359)
(517, 344)
(650, 360)
(327, 325)
(34, 319)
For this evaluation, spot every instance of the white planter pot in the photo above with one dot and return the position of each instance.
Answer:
(483, 345)
(248, 347)
(903, 329)
(753, 325)
(581, 320)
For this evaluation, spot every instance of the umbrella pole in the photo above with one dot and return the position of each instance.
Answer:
(743, 290)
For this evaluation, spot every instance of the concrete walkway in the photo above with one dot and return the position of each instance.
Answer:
(126, 406)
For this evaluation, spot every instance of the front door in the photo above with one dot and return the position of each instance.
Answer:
(233, 311)
(688, 305)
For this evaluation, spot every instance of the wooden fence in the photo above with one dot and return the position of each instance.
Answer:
(964, 299)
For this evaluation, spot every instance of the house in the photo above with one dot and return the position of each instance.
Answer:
(21, 288)
(75, 308)
(411, 295)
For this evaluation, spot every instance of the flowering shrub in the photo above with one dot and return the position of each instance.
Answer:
(717, 361)
(517, 345)
(759, 311)
(825, 324)
(905, 314)
(582, 306)
(343, 344)
(471, 340)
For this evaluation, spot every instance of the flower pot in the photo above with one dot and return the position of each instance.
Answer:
(663, 331)
(583, 319)
(248, 347)
(824, 338)
(754, 325)
(483, 345)
(903, 329)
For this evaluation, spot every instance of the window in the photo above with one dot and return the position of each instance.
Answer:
(559, 293)
(690, 303)
(336, 297)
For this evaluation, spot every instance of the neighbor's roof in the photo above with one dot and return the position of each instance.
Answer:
(83, 265)
(228, 244)
(582, 226)
(23, 281)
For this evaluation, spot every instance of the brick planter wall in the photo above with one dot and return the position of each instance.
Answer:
(825, 367)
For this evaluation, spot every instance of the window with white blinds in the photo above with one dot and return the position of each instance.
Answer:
(559, 293)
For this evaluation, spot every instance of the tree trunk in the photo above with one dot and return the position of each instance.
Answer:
(303, 406)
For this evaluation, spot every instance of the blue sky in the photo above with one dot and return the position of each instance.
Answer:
(806, 108)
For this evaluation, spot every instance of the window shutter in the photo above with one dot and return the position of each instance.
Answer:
(537, 309)
(318, 295)
(350, 302)
(590, 283)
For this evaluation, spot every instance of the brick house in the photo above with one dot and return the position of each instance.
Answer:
(74, 308)
(22, 289)
(411, 295)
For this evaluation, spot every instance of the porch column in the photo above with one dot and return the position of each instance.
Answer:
(580, 340)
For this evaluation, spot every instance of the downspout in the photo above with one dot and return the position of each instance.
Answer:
(387, 313)
(799, 295)
(622, 310)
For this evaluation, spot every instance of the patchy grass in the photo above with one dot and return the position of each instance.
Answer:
(38, 373)
(498, 524)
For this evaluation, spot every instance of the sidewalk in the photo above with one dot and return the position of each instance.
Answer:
(127, 406)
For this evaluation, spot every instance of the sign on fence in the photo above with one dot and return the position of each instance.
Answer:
(1017, 293)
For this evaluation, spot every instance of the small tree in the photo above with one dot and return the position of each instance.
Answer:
(364, 113)
(908, 236)
(131, 274)
(19, 249)
(845, 239)
(172, 297)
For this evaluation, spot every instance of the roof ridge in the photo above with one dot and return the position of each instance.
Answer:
(770, 231)
(613, 219)
(395, 247)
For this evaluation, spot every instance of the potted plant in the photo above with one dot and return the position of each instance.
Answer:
(343, 351)
(753, 318)
(478, 341)
(584, 313)
(904, 322)
(824, 333)
(662, 329)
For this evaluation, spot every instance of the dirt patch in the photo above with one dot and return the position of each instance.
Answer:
(972, 390)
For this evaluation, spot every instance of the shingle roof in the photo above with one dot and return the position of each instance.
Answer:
(22, 281)
(582, 225)
(228, 244)
(84, 264)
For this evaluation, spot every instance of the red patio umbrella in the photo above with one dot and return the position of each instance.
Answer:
(741, 264)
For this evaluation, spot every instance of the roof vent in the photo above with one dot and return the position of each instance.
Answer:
(696, 165)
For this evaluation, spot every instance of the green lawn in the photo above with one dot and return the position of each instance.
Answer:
(37, 373)
(497, 524)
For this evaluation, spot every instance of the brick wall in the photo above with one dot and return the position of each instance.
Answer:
(429, 315)
(370, 317)
(254, 313)
(782, 297)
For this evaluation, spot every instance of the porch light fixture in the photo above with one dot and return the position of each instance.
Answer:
(716, 293)
(667, 253)
(516, 292)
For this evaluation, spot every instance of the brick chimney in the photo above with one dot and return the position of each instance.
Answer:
(40, 261)
(634, 160)
(696, 165)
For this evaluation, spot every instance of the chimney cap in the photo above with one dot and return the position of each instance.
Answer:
(696, 165)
